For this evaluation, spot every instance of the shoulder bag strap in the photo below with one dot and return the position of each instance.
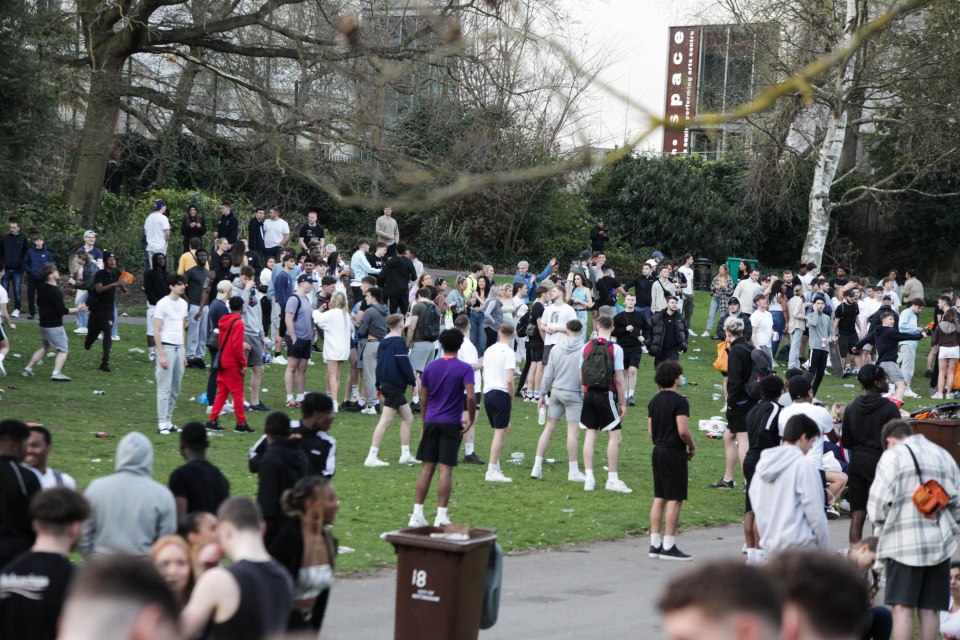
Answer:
(915, 463)
(229, 329)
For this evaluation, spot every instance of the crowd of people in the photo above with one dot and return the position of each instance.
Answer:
(570, 341)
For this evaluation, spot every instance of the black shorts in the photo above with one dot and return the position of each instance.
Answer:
(631, 357)
(599, 411)
(749, 468)
(918, 587)
(860, 474)
(546, 353)
(440, 443)
(669, 473)
(536, 351)
(737, 416)
(845, 341)
(498, 404)
(299, 348)
(393, 399)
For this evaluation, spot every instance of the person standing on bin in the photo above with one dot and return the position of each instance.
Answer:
(442, 390)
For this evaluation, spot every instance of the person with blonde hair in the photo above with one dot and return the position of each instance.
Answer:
(171, 556)
(337, 327)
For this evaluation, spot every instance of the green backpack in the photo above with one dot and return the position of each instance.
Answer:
(597, 368)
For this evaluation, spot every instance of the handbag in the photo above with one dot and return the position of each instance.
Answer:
(215, 364)
(720, 364)
(930, 498)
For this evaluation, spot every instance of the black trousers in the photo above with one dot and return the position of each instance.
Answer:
(100, 323)
(398, 304)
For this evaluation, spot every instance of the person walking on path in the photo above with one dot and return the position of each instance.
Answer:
(52, 334)
(169, 321)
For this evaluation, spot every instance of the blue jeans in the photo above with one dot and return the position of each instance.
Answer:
(477, 335)
(779, 324)
(14, 276)
(82, 316)
(714, 306)
(116, 322)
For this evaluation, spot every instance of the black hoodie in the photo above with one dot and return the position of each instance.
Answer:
(863, 421)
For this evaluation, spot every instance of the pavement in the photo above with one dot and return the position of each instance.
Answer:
(600, 590)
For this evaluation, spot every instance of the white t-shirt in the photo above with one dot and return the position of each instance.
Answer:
(468, 353)
(557, 315)
(762, 323)
(48, 480)
(154, 227)
(819, 415)
(805, 280)
(688, 274)
(499, 362)
(273, 232)
(894, 299)
(868, 307)
(172, 313)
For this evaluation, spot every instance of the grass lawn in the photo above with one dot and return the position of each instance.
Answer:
(527, 514)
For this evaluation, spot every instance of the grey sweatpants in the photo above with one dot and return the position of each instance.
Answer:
(370, 350)
(168, 382)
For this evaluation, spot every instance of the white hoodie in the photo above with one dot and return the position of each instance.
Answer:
(788, 500)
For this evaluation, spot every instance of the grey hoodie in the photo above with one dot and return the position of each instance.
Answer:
(788, 500)
(129, 510)
(563, 371)
(374, 322)
(251, 314)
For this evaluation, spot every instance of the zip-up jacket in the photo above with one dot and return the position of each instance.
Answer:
(35, 259)
(394, 371)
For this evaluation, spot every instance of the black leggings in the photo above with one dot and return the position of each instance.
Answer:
(526, 368)
(100, 324)
(398, 304)
(818, 364)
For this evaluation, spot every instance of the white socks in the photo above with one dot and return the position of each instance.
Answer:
(418, 510)
(669, 542)
(537, 464)
(289, 397)
(573, 467)
(404, 451)
(493, 468)
(373, 453)
(655, 540)
(589, 473)
(613, 475)
(441, 513)
(468, 448)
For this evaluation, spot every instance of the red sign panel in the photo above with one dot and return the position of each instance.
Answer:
(683, 60)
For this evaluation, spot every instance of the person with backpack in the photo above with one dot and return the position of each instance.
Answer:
(668, 416)
(422, 332)
(739, 402)
(669, 336)
(604, 387)
(499, 363)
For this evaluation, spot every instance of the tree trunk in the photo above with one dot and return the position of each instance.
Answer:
(96, 142)
(170, 142)
(820, 206)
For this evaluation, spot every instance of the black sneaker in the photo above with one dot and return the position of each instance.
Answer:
(631, 402)
(928, 373)
(724, 484)
(473, 458)
(352, 407)
(104, 367)
(674, 553)
(243, 428)
(415, 407)
(214, 425)
(258, 407)
(655, 552)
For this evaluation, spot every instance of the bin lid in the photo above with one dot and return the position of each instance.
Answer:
(702, 261)
(420, 537)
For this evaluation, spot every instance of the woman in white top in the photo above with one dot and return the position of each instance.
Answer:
(950, 619)
(337, 327)
(777, 295)
(520, 308)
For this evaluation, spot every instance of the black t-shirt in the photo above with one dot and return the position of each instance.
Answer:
(536, 312)
(32, 590)
(607, 291)
(103, 302)
(197, 278)
(50, 302)
(763, 427)
(663, 410)
(847, 314)
(836, 283)
(308, 233)
(18, 484)
(202, 484)
(644, 287)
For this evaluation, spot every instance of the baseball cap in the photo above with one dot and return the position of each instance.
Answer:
(109, 254)
(159, 204)
(304, 277)
(223, 289)
(799, 386)
(585, 255)
(89, 232)
(733, 300)
(657, 254)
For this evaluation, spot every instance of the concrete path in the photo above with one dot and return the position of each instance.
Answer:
(602, 590)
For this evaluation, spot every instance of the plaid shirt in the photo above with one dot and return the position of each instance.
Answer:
(906, 535)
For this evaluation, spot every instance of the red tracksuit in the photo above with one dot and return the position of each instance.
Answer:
(232, 360)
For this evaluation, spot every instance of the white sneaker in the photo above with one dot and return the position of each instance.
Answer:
(16, 313)
(56, 377)
(576, 476)
(376, 462)
(336, 407)
(441, 522)
(3, 371)
(692, 332)
(618, 486)
(496, 476)
(279, 360)
(910, 393)
(537, 474)
(418, 521)
(152, 357)
(705, 334)
(80, 331)
(116, 338)
(408, 460)
(369, 411)
(165, 429)
(311, 363)
(589, 483)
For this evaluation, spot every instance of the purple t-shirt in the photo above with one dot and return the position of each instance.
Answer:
(445, 380)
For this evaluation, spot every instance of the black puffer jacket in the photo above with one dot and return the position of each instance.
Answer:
(659, 330)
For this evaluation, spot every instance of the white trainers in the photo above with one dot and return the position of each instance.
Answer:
(369, 411)
(537, 474)
(80, 331)
(376, 462)
(910, 393)
(408, 460)
(576, 476)
(705, 334)
(496, 476)
(165, 429)
(279, 360)
(15, 314)
(618, 486)
(418, 521)
(589, 483)
(58, 377)
(692, 332)
(441, 522)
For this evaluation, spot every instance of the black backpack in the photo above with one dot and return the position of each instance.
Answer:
(597, 368)
(524, 322)
(429, 322)
(762, 367)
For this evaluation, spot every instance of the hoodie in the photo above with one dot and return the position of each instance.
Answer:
(230, 342)
(374, 322)
(394, 371)
(787, 498)
(252, 315)
(129, 510)
(863, 420)
(946, 334)
(35, 260)
(887, 341)
(563, 371)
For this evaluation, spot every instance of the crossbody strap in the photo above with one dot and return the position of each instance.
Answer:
(229, 329)
(915, 463)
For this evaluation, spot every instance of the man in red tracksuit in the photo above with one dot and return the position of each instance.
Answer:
(233, 365)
